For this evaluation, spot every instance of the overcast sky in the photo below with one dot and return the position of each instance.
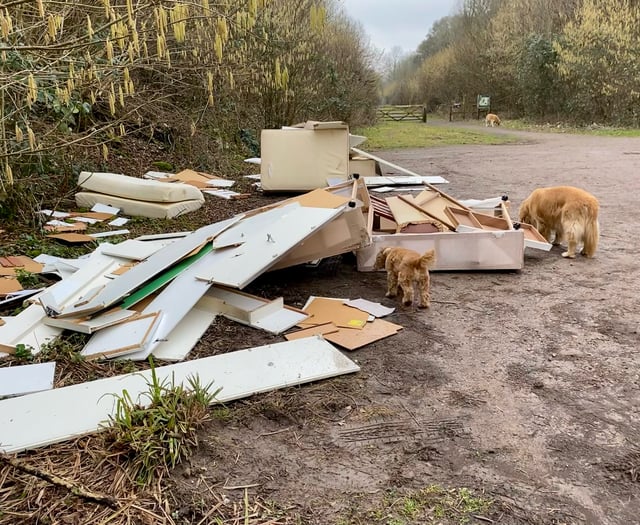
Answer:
(402, 23)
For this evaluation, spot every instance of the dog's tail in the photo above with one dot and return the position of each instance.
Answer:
(427, 259)
(591, 235)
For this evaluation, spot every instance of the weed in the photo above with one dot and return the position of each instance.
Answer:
(154, 439)
(163, 166)
(28, 279)
(64, 349)
(432, 504)
(23, 352)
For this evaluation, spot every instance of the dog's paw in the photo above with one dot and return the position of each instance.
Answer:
(569, 255)
(407, 303)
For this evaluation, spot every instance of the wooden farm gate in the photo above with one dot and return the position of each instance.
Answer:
(401, 113)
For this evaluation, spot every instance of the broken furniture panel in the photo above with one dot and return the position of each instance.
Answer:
(174, 302)
(272, 316)
(477, 250)
(262, 248)
(426, 180)
(146, 270)
(88, 325)
(345, 233)
(77, 410)
(26, 379)
(134, 334)
(302, 159)
(181, 340)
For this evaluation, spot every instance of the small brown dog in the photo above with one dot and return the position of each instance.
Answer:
(492, 119)
(569, 214)
(406, 268)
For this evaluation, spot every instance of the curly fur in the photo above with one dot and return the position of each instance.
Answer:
(564, 214)
(406, 269)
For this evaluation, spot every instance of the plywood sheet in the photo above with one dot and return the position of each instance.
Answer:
(353, 339)
(69, 412)
(403, 213)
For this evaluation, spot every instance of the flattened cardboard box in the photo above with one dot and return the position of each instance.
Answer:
(296, 159)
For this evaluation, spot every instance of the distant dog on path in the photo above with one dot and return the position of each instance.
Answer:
(492, 119)
(406, 269)
(569, 214)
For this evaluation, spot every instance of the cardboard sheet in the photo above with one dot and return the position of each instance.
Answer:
(327, 310)
(353, 339)
(321, 329)
(72, 238)
(9, 265)
(9, 285)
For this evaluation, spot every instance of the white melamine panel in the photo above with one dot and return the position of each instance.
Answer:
(25, 379)
(134, 250)
(132, 336)
(43, 418)
(186, 335)
(155, 264)
(242, 231)
(263, 247)
(175, 301)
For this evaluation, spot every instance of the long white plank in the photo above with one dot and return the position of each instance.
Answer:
(146, 270)
(264, 246)
(43, 418)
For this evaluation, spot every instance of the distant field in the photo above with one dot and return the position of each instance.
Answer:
(392, 135)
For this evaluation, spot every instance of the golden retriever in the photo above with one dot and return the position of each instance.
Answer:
(569, 214)
(492, 119)
(406, 268)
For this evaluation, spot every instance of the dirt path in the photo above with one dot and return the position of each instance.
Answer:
(522, 385)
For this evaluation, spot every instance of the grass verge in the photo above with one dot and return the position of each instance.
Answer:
(396, 135)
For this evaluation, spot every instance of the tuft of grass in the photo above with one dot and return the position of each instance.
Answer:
(396, 135)
(154, 439)
(433, 504)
